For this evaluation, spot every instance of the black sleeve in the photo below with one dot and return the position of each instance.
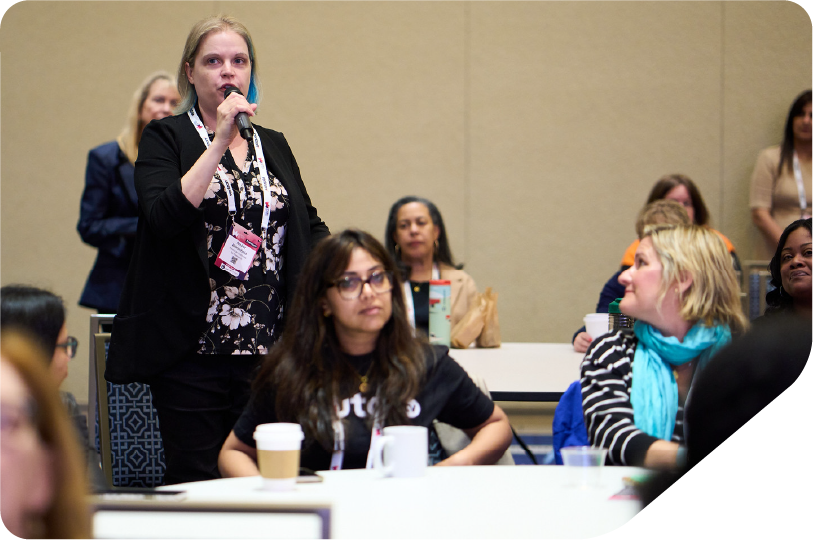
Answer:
(158, 173)
(318, 227)
(606, 381)
(260, 410)
(467, 406)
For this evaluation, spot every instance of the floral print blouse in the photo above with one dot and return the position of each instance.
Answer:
(245, 316)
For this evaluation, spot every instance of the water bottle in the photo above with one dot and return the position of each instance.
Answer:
(618, 319)
(440, 311)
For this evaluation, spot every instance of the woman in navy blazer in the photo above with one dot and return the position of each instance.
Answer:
(190, 324)
(109, 210)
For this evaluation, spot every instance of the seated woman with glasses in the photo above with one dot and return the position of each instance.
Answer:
(348, 361)
(40, 314)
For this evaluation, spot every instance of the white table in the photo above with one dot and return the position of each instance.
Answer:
(523, 371)
(449, 502)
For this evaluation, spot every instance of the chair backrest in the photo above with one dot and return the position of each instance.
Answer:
(453, 439)
(757, 285)
(568, 421)
(129, 440)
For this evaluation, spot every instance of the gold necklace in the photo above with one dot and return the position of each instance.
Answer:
(364, 384)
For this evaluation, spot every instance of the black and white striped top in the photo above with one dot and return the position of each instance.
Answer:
(606, 380)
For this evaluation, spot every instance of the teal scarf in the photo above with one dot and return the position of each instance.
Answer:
(654, 395)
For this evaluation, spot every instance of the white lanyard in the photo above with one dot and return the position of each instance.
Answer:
(220, 173)
(339, 442)
(410, 304)
(800, 185)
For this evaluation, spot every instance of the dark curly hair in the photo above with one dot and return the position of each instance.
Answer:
(777, 300)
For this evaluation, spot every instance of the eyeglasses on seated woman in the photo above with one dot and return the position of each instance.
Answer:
(348, 340)
(683, 293)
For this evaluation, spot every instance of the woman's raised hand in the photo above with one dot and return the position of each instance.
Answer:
(226, 129)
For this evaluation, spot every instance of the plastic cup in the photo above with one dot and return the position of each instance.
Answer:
(584, 464)
(597, 324)
(278, 447)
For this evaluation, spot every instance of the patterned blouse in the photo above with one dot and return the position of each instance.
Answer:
(244, 316)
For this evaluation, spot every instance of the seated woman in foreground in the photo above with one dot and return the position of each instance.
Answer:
(42, 485)
(683, 293)
(348, 360)
(791, 273)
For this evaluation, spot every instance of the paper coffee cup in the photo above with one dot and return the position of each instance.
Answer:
(278, 447)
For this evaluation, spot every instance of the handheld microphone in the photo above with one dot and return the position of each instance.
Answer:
(243, 124)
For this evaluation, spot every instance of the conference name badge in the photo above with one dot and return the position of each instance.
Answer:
(238, 251)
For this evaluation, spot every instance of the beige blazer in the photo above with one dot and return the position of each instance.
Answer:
(463, 291)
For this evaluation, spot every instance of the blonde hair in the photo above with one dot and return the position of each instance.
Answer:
(201, 29)
(714, 295)
(662, 211)
(68, 515)
(130, 136)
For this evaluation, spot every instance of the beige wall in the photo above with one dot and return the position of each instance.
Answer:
(537, 127)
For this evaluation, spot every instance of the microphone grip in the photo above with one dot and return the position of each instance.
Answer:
(243, 125)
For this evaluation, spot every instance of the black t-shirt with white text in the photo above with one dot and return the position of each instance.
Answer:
(448, 395)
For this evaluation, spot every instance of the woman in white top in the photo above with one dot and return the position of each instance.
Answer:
(780, 185)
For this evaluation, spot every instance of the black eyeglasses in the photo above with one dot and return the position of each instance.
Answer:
(350, 287)
(70, 345)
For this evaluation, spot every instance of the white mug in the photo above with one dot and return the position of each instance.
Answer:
(402, 451)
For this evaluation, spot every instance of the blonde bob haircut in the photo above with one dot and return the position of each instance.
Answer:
(130, 136)
(67, 515)
(714, 295)
(201, 29)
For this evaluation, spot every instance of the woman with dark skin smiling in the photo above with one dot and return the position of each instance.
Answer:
(225, 225)
(791, 272)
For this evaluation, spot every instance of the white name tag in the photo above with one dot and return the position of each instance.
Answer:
(238, 251)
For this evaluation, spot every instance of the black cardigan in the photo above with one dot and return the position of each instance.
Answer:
(166, 295)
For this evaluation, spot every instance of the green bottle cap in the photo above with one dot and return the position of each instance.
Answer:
(614, 306)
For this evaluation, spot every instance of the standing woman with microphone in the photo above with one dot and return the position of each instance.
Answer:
(225, 225)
